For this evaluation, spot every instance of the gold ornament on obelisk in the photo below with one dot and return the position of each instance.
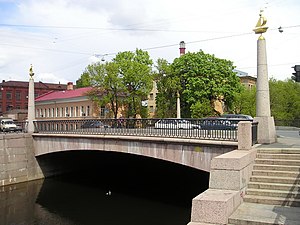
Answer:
(31, 73)
(261, 27)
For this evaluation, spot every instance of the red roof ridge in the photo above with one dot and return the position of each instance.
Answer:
(42, 95)
(64, 94)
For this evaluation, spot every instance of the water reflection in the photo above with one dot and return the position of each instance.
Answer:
(57, 201)
(143, 192)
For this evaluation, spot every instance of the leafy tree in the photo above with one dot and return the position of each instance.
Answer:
(284, 98)
(201, 109)
(108, 86)
(127, 80)
(85, 80)
(167, 86)
(245, 102)
(135, 72)
(204, 77)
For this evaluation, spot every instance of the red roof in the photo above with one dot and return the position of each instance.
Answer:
(37, 85)
(54, 95)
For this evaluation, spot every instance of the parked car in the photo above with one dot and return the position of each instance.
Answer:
(237, 117)
(175, 124)
(94, 124)
(7, 125)
(217, 124)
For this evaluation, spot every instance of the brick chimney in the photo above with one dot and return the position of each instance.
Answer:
(70, 86)
(182, 48)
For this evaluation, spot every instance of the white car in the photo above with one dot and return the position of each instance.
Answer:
(174, 124)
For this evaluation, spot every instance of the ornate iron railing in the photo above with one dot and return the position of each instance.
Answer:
(209, 129)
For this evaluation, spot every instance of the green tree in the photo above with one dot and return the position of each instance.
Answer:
(85, 80)
(167, 86)
(108, 85)
(284, 99)
(136, 73)
(203, 76)
(245, 102)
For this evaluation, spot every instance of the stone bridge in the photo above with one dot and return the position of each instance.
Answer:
(189, 152)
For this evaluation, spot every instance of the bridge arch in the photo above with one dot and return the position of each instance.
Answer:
(192, 153)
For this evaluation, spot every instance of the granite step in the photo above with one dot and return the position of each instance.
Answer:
(274, 186)
(261, 214)
(273, 193)
(273, 173)
(276, 167)
(279, 151)
(272, 200)
(278, 156)
(277, 162)
(280, 180)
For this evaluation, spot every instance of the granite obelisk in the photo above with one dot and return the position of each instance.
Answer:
(31, 107)
(266, 127)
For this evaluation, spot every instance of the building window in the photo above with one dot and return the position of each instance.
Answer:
(88, 110)
(71, 111)
(102, 111)
(82, 111)
(1, 95)
(49, 112)
(67, 112)
(151, 96)
(8, 95)
(9, 106)
(18, 96)
(53, 112)
(45, 112)
(77, 111)
(61, 112)
(151, 109)
(57, 112)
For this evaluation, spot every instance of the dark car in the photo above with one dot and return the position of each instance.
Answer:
(217, 124)
(240, 117)
(236, 118)
(94, 124)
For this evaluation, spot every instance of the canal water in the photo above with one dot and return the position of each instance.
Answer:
(138, 192)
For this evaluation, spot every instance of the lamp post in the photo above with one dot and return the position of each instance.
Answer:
(31, 108)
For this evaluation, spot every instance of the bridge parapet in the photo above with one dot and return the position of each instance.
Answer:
(204, 129)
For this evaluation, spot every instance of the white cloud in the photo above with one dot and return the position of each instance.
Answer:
(61, 54)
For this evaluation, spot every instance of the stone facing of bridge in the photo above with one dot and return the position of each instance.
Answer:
(17, 160)
(193, 153)
(18, 152)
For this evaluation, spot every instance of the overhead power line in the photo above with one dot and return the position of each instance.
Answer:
(101, 28)
(111, 29)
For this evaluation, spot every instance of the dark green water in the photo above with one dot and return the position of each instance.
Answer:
(143, 192)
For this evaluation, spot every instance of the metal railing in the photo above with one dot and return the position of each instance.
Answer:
(208, 129)
(254, 132)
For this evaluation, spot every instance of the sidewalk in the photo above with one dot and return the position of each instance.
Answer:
(283, 142)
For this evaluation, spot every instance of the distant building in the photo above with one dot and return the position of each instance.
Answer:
(14, 95)
(68, 103)
(152, 100)
(245, 79)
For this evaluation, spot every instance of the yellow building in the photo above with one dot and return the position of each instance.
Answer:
(70, 103)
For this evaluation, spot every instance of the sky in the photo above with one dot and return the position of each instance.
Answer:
(60, 38)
